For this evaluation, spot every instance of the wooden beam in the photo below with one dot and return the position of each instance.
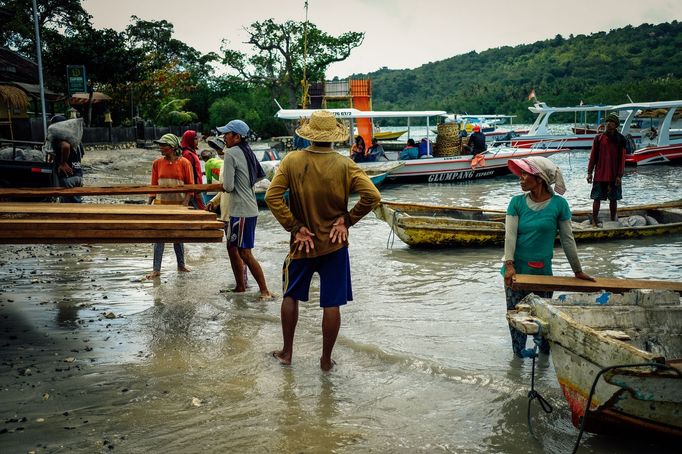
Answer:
(35, 211)
(106, 190)
(572, 284)
(95, 224)
(109, 236)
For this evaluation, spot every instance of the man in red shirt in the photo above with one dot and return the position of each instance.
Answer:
(607, 160)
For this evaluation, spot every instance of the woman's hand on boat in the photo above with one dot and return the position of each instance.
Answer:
(585, 277)
(339, 231)
(304, 239)
(509, 273)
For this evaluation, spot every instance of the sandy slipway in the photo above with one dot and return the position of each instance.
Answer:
(93, 358)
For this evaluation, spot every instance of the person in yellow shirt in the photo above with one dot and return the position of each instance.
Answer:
(319, 181)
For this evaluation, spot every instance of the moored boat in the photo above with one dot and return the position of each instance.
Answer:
(422, 225)
(662, 146)
(459, 168)
(618, 358)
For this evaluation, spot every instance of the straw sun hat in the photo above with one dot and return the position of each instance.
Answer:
(323, 127)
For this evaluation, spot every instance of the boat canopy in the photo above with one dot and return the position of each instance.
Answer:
(544, 111)
(295, 114)
(663, 134)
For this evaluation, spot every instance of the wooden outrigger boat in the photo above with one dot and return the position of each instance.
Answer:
(595, 342)
(421, 225)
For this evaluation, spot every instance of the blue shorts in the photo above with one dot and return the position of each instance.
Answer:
(242, 232)
(334, 271)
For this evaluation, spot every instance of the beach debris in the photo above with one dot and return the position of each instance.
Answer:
(69, 359)
(196, 402)
(109, 315)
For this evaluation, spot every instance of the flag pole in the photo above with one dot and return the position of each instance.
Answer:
(40, 69)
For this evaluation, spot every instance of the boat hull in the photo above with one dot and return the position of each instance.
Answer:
(447, 227)
(459, 168)
(587, 336)
(671, 154)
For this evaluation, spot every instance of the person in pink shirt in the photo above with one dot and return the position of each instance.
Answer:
(607, 161)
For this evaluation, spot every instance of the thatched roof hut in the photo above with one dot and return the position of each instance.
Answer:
(13, 97)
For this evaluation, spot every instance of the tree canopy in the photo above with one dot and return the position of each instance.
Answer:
(278, 51)
(150, 73)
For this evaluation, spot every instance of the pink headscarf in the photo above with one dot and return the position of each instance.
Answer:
(541, 167)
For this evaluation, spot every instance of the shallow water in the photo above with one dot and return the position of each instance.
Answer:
(424, 361)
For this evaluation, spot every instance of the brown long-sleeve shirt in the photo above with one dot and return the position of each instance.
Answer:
(319, 181)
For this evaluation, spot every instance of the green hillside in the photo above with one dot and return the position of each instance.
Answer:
(644, 62)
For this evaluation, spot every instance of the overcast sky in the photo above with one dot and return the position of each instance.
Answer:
(398, 33)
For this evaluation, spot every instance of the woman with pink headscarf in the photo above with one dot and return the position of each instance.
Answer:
(189, 144)
(531, 225)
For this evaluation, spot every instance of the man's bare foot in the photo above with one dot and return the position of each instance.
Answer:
(184, 269)
(284, 360)
(327, 365)
(153, 275)
(266, 296)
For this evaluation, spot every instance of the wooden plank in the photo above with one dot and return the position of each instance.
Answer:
(107, 190)
(101, 240)
(100, 211)
(105, 236)
(572, 284)
(122, 224)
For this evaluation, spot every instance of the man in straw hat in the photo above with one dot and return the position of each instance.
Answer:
(241, 171)
(607, 160)
(319, 181)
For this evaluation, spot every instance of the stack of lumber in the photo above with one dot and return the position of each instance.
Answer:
(46, 223)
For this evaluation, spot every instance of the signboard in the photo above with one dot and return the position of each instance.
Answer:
(76, 79)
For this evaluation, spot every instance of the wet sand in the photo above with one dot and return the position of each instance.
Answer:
(96, 359)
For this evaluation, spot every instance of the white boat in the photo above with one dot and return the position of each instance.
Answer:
(353, 114)
(435, 169)
(582, 135)
(655, 146)
(459, 168)
(540, 130)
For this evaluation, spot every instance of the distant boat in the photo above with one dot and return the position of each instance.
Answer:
(580, 137)
(388, 135)
(422, 225)
(662, 146)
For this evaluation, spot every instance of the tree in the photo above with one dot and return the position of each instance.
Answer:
(57, 16)
(277, 58)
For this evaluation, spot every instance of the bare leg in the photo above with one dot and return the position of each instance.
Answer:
(331, 322)
(595, 212)
(289, 313)
(256, 271)
(237, 268)
(613, 208)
